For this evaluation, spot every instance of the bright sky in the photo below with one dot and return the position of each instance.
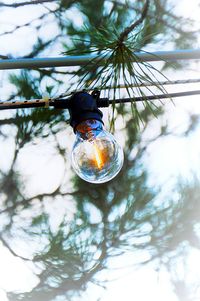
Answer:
(143, 284)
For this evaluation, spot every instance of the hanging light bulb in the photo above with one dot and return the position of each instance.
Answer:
(96, 156)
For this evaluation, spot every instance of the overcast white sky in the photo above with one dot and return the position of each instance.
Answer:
(143, 284)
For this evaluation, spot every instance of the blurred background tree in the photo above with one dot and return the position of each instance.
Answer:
(97, 224)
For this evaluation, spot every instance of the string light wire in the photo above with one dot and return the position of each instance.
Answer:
(63, 103)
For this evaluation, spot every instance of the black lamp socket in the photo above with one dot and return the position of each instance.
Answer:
(83, 106)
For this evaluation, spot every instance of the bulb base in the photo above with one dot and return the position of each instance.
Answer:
(82, 107)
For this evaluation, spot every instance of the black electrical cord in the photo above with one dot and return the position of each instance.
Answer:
(148, 97)
(64, 103)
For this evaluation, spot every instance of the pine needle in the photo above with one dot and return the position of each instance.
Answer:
(117, 64)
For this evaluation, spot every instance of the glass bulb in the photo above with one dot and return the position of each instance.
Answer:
(96, 156)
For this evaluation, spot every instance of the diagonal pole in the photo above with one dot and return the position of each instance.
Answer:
(65, 61)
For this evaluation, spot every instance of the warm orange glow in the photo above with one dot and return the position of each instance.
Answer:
(99, 157)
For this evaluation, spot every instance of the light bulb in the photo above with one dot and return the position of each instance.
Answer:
(96, 156)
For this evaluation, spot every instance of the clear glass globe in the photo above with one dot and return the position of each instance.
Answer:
(96, 156)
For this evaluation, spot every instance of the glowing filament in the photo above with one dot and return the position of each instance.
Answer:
(98, 156)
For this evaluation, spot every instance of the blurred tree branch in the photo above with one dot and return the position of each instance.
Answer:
(130, 28)
(33, 2)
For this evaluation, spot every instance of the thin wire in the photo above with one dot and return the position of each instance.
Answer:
(164, 83)
(144, 84)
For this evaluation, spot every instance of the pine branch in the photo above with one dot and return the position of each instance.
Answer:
(4, 242)
(15, 5)
(167, 22)
(24, 25)
(130, 28)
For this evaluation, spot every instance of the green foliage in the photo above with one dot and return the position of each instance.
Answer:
(26, 85)
(118, 65)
